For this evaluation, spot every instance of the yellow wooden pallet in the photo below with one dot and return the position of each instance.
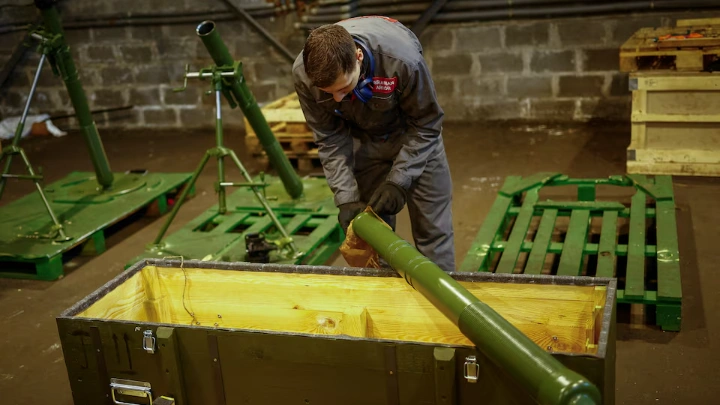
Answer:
(287, 123)
(285, 118)
(643, 51)
(675, 124)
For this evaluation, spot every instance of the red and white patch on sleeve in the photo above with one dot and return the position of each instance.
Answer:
(384, 85)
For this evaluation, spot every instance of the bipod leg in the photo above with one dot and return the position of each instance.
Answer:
(3, 179)
(21, 125)
(222, 202)
(182, 197)
(286, 237)
(56, 223)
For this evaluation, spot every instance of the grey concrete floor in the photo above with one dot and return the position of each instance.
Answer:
(653, 367)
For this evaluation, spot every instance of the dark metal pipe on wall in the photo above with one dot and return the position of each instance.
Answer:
(487, 10)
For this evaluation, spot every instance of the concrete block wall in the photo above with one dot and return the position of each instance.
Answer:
(140, 66)
(553, 69)
(559, 69)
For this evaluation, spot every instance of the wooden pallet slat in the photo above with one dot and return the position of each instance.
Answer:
(572, 254)
(606, 249)
(477, 258)
(517, 236)
(536, 259)
(669, 287)
(635, 273)
(637, 286)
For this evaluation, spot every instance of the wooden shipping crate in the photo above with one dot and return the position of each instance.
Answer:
(675, 124)
(646, 50)
(241, 333)
(287, 123)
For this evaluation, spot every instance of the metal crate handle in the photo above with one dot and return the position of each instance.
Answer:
(140, 389)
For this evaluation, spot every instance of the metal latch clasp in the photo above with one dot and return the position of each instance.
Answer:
(148, 342)
(472, 371)
(140, 389)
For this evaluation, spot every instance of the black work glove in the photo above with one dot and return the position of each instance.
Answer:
(348, 212)
(388, 199)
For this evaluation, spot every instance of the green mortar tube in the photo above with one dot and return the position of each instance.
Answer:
(240, 91)
(62, 58)
(544, 377)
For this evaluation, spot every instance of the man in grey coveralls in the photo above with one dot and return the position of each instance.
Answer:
(367, 94)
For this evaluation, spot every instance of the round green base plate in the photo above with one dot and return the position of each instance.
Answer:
(88, 190)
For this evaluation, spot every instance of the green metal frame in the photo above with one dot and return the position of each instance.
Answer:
(310, 221)
(27, 252)
(300, 218)
(38, 231)
(518, 200)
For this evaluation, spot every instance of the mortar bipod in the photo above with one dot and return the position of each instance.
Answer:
(216, 74)
(9, 151)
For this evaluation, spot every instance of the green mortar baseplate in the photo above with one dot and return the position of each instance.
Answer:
(519, 236)
(27, 248)
(310, 220)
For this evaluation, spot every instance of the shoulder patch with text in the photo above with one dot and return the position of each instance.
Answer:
(385, 85)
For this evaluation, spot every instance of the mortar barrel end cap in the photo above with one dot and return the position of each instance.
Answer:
(205, 28)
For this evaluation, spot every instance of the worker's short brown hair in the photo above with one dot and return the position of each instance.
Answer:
(329, 52)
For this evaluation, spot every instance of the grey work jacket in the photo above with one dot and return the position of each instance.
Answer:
(404, 102)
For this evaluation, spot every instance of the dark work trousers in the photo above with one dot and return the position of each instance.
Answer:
(429, 198)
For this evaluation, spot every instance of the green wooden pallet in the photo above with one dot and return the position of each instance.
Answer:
(29, 250)
(311, 221)
(646, 264)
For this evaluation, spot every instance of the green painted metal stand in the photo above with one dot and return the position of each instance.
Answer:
(38, 231)
(301, 219)
(652, 271)
(28, 246)
(311, 221)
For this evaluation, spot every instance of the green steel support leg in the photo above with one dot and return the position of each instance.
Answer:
(669, 317)
(95, 245)
(182, 197)
(6, 169)
(162, 204)
(56, 223)
(50, 269)
(9, 151)
(222, 202)
(261, 198)
(586, 192)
